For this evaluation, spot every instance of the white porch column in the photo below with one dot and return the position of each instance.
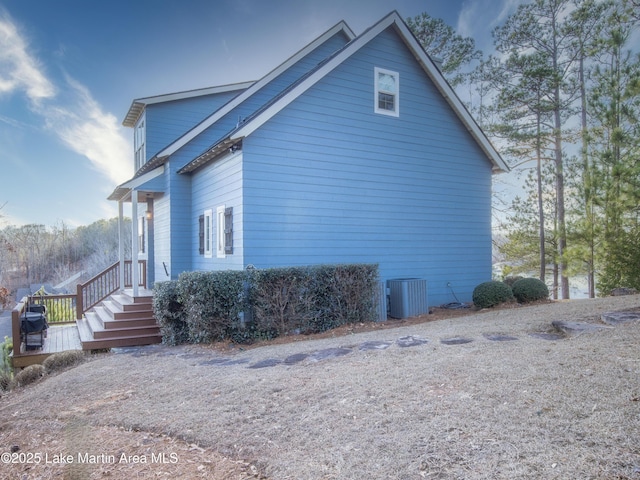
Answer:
(135, 275)
(121, 241)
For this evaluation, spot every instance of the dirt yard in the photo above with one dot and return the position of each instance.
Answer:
(473, 395)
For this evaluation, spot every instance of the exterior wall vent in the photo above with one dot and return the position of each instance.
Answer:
(408, 297)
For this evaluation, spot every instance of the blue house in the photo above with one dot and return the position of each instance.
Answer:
(354, 150)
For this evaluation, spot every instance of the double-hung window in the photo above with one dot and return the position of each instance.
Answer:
(387, 92)
(139, 141)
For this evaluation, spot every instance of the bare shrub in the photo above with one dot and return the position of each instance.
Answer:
(63, 360)
(29, 375)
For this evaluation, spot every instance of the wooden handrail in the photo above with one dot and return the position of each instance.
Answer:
(96, 289)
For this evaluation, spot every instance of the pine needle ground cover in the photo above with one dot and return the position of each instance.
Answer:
(521, 407)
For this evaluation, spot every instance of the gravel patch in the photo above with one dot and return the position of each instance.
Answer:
(507, 405)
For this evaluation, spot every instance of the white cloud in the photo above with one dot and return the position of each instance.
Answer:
(69, 111)
(18, 69)
(86, 129)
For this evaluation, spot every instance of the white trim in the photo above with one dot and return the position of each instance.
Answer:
(427, 64)
(140, 142)
(208, 233)
(218, 114)
(220, 231)
(377, 90)
(142, 179)
(138, 105)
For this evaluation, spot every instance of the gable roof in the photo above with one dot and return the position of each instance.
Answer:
(139, 104)
(261, 116)
(218, 114)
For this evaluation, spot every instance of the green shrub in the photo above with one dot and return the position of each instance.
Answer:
(212, 302)
(29, 375)
(61, 360)
(282, 301)
(312, 299)
(529, 290)
(243, 306)
(489, 294)
(345, 294)
(170, 313)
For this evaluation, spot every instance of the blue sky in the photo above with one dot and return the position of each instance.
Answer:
(69, 70)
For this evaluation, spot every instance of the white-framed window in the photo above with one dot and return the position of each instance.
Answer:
(224, 231)
(139, 140)
(387, 92)
(207, 233)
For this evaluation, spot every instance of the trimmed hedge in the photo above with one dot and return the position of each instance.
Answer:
(313, 299)
(489, 294)
(529, 290)
(203, 307)
(212, 302)
(170, 313)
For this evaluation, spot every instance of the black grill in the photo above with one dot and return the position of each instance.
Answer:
(33, 327)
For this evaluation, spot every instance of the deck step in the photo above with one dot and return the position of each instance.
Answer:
(120, 321)
(118, 329)
(143, 319)
(126, 304)
(90, 343)
(116, 313)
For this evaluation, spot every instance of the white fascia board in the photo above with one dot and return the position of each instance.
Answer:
(123, 190)
(222, 111)
(452, 98)
(140, 103)
(315, 77)
(427, 64)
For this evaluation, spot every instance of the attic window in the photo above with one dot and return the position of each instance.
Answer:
(387, 88)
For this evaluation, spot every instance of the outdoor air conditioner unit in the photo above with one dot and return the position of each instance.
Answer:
(408, 297)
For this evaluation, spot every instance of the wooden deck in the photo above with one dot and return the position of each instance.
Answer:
(60, 338)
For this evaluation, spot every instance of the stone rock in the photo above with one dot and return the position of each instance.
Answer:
(498, 337)
(295, 358)
(615, 318)
(374, 346)
(269, 362)
(576, 328)
(330, 353)
(411, 341)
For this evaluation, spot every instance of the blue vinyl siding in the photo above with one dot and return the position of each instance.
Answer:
(327, 180)
(226, 124)
(168, 121)
(219, 183)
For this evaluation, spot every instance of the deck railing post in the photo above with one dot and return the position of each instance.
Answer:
(15, 328)
(79, 302)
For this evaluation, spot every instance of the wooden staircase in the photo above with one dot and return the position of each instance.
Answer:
(121, 320)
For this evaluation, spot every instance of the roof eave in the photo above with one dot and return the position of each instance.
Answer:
(139, 104)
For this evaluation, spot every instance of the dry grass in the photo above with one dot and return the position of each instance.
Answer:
(529, 408)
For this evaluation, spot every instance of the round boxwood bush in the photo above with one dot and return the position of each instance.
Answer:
(491, 293)
(529, 290)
